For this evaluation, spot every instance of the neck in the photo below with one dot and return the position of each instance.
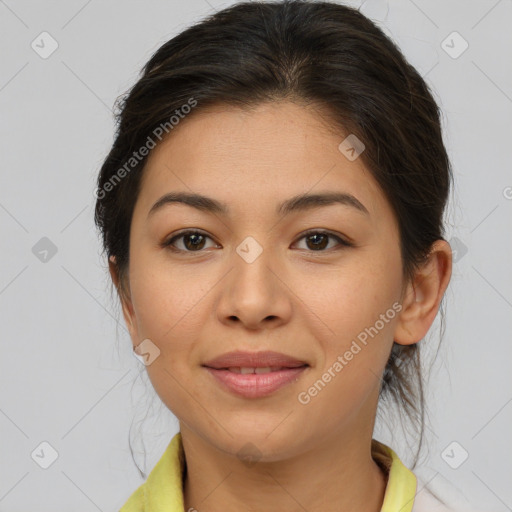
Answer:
(335, 474)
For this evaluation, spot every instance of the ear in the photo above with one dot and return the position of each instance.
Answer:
(423, 295)
(124, 297)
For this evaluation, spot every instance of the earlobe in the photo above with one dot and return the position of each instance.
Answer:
(112, 268)
(424, 294)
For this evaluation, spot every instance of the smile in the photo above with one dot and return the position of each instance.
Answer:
(255, 382)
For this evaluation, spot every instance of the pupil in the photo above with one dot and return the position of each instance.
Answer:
(194, 244)
(315, 244)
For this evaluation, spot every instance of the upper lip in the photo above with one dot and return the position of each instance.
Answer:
(265, 359)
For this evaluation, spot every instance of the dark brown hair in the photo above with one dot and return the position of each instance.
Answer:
(317, 53)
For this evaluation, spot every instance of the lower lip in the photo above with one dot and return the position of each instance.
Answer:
(255, 385)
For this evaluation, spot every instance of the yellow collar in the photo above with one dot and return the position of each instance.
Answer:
(163, 489)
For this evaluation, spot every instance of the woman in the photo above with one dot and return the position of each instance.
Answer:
(272, 213)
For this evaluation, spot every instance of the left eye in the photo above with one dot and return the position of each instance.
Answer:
(318, 239)
(195, 240)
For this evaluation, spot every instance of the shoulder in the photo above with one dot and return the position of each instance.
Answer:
(438, 495)
(427, 489)
(135, 502)
(425, 501)
(163, 489)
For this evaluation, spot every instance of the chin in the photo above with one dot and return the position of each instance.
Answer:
(252, 445)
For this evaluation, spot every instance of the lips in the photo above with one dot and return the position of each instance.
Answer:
(255, 375)
(252, 360)
(263, 369)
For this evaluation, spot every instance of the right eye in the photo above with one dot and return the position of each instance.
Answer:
(192, 239)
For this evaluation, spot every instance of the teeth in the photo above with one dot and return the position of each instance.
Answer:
(244, 371)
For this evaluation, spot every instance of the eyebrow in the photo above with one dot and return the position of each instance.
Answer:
(297, 203)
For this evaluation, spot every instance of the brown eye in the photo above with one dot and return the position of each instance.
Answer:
(193, 241)
(317, 241)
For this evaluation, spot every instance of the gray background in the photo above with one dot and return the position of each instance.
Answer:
(67, 372)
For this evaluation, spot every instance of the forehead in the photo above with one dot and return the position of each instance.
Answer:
(262, 155)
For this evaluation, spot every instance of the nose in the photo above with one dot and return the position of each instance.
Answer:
(254, 293)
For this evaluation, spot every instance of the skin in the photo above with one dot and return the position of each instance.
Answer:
(305, 302)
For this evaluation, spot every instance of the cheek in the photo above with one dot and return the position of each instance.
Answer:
(168, 307)
(358, 306)
(167, 298)
(360, 310)
(353, 297)
(173, 304)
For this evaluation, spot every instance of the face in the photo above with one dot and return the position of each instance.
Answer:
(318, 282)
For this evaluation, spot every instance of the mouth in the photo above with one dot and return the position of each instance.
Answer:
(258, 370)
(254, 360)
(254, 374)
(255, 382)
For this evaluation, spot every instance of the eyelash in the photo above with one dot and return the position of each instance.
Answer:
(168, 244)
